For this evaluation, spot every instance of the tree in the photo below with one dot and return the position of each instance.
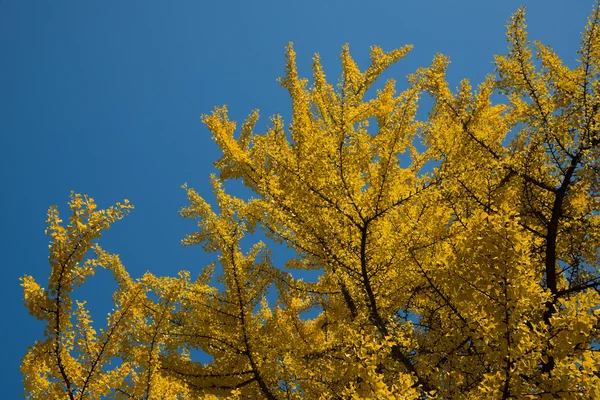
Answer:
(476, 278)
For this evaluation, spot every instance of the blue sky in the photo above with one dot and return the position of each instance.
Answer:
(104, 98)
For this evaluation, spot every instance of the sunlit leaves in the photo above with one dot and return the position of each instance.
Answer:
(478, 278)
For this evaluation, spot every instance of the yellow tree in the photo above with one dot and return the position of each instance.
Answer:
(476, 278)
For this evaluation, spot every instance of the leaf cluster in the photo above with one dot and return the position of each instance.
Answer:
(476, 278)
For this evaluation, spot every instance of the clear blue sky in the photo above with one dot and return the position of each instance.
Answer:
(104, 98)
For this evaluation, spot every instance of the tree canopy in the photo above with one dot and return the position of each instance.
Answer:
(457, 256)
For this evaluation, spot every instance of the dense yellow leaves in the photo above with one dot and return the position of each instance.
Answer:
(474, 279)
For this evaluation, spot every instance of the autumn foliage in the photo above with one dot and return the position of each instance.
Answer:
(458, 257)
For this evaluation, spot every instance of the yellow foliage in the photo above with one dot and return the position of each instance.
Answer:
(476, 279)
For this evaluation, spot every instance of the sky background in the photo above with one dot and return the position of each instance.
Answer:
(104, 98)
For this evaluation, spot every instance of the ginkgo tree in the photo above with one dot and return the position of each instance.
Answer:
(476, 278)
